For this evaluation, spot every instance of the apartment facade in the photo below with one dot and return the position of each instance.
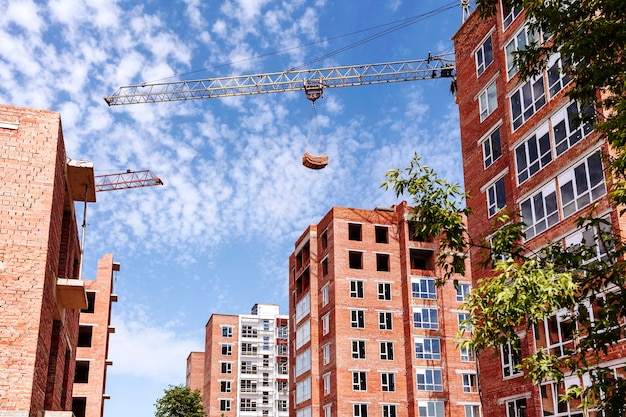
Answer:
(39, 260)
(525, 152)
(371, 333)
(245, 364)
(92, 353)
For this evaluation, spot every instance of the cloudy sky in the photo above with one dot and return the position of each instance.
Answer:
(217, 236)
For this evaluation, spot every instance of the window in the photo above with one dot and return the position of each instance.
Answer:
(225, 405)
(326, 350)
(79, 406)
(424, 288)
(487, 101)
(81, 375)
(388, 381)
(303, 362)
(326, 383)
(358, 349)
(464, 326)
(325, 267)
(324, 239)
(510, 358)
(557, 76)
(360, 410)
(384, 291)
(247, 385)
(484, 56)
(325, 323)
(325, 295)
(389, 410)
(590, 237)
(386, 351)
(85, 334)
(225, 386)
(355, 259)
(520, 41)
(516, 408)
(382, 262)
(496, 197)
(470, 383)
(303, 390)
(462, 292)
(540, 211)
(304, 412)
(430, 408)
(282, 405)
(354, 231)
(303, 334)
(421, 259)
(525, 102)
(508, 15)
(266, 324)
(429, 379)
(357, 319)
(248, 349)
(427, 348)
(472, 411)
(226, 367)
(91, 303)
(248, 331)
(303, 307)
(568, 128)
(248, 367)
(467, 354)
(227, 349)
(582, 185)
(247, 404)
(425, 318)
(382, 234)
(385, 320)
(533, 154)
(227, 331)
(356, 289)
(551, 394)
(556, 334)
(359, 380)
(492, 149)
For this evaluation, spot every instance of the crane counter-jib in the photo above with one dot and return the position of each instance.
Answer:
(292, 80)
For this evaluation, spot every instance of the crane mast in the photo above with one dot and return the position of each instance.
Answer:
(435, 66)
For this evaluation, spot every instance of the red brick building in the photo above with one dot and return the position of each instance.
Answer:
(524, 151)
(40, 256)
(245, 364)
(372, 335)
(93, 342)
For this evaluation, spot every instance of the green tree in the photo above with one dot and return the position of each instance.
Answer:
(527, 287)
(179, 401)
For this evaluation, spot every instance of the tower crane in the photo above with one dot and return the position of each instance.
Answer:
(311, 81)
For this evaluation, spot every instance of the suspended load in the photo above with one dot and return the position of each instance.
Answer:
(314, 90)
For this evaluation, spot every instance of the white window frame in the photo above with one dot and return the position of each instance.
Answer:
(484, 55)
(303, 390)
(509, 360)
(324, 297)
(470, 382)
(431, 312)
(326, 353)
(389, 410)
(385, 320)
(384, 291)
(565, 132)
(429, 408)
(386, 351)
(593, 181)
(518, 42)
(492, 147)
(533, 154)
(496, 200)
(472, 410)
(357, 288)
(303, 334)
(303, 362)
(359, 380)
(467, 354)
(227, 349)
(326, 383)
(460, 318)
(303, 307)
(325, 323)
(537, 219)
(359, 349)
(388, 381)
(432, 379)
(225, 404)
(226, 386)
(510, 17)
(514, 407)
(359, 410)
(428, 348)
(488, 100)
(426, 288)
(528, 92)
(227, 331)
(226, 367)
(463, 291)
(558, 79)
(357, 319)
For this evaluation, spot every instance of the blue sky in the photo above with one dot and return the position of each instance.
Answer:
(217, 236)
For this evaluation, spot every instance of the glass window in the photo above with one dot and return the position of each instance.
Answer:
(487, 101)
(360, 410)
(470, 383)
(463, 325)
(425, 318)
(226, 367)
(357, 319)
(325, 323)
(430, 408)
(356, 289)
(227, 349)
(467, 354)
(303, 333)
(516, 408)
(484, 56)
(462, 292)
(520, 41)
(303, 307)
(527, 100)
(389, 410)
(384, 291)
(533, 154)
(326, 383)
(303, 362)
(358, 349)
(509, 14)
(496, 197)
(324, 295)
(326, 352)
(557, 76)
(429, 379)
(385, 320)
(359, 380)
(386, 351)
(582, 185)
(567, 127)
(510, 358)
(225, 405)
(227, 331)
(388, 381)
(424, 288)
(303, 390)
(540, 211)
(225, 386)
(492, 149)
(427, 348)
(472, 411)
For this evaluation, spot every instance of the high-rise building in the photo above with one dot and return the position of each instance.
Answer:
(372, 334)
(40, 256)
(525, 151)
(245, 364)
(95, 327)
